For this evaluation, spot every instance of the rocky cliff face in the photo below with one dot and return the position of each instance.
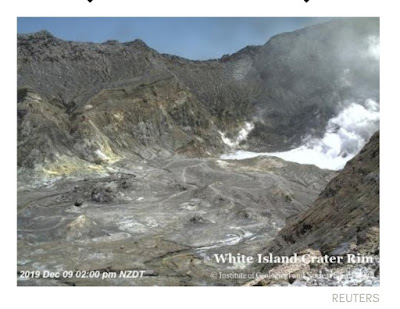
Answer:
(347, 208)
(343, 220)
(151, 118)
(162, 104)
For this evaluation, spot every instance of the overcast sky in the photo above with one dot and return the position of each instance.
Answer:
(193, 38)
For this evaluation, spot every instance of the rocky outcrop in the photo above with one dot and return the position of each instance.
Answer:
(343, 220)
(147, 119)
(347, 208)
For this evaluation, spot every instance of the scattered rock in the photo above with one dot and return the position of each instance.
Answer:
(102, 195)
(79, 202)
(197, 219)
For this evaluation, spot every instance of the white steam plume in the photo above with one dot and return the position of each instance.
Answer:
(243, 133)
(374, 47)
(345, 135)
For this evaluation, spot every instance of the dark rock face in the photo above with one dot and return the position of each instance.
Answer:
(118, 98)
(43, 130)
(343, 220)
(347, 208)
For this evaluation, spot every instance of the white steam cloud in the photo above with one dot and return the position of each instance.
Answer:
(243, 133)
(345, 135)
(374, 47)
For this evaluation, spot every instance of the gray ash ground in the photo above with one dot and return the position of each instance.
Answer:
(167, 218)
